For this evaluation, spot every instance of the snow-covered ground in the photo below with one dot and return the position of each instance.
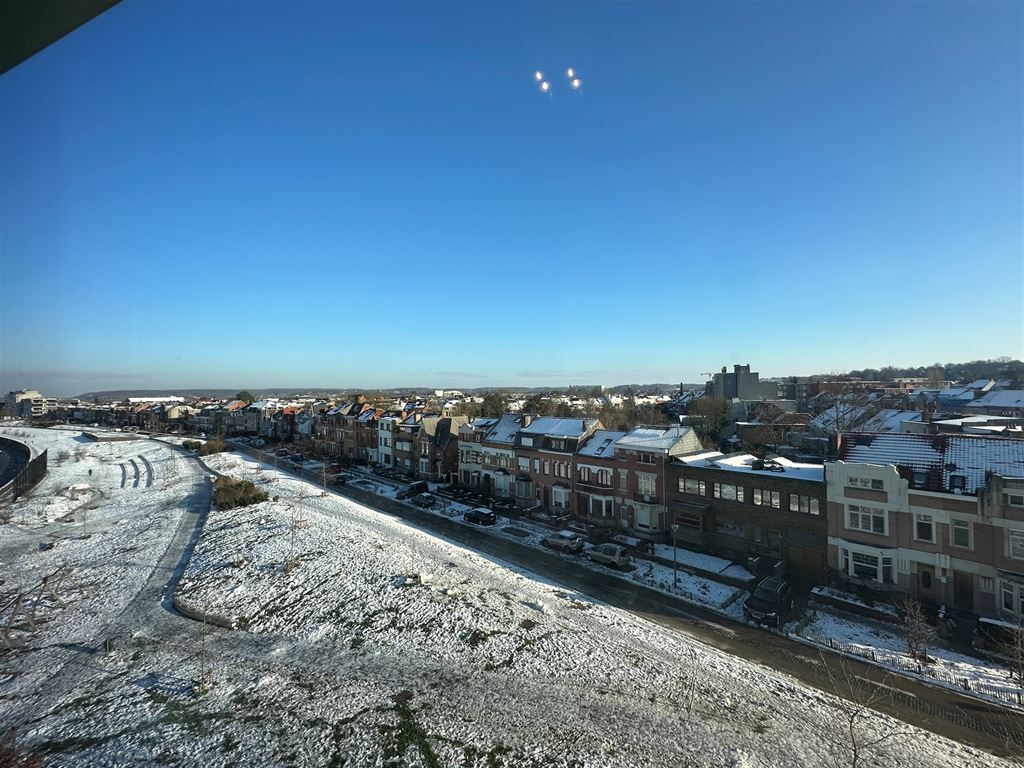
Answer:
(480, 665)
(886, 645)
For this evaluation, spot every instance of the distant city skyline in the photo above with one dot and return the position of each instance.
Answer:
(360, 195)
(68, 384)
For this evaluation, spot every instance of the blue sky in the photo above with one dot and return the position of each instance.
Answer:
(261, 194)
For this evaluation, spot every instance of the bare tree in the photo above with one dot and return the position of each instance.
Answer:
(916, 628)
(855, 702)
(1014, 651)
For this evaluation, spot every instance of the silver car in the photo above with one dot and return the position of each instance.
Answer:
(565, 541)
(609, 554)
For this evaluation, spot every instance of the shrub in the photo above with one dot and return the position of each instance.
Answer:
(229, 493)
(190, 445)
(212, 446)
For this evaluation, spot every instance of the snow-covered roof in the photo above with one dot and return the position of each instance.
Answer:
(652, 438)
(558, 427)
(888, 420)
(1000, 398)
(704, 457)
(504, 429)
(941, 456)
(601, 444)
(792, 469)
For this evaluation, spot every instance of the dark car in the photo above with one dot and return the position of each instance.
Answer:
(413, 489)
(424, 500)
(770, 602)
(480, 516)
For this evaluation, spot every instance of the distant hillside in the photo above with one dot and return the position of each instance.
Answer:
(1001, 367)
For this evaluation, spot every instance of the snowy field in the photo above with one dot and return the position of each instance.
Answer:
(340, 664)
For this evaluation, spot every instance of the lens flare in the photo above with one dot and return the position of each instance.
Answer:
(538, 75)
(576, 83)
(570, 72)
(545, 87)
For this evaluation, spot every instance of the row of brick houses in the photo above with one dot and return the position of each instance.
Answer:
(938, 516)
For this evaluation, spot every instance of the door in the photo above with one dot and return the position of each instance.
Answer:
(926, 581)
(963, 590)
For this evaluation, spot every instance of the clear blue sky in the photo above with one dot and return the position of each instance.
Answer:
(260, 194)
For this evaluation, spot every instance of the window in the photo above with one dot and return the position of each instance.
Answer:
(960, 533)
(645, 484)
(866, 482)
(767, 498)
(865, 566)
(919, 477)
(1014, 500)
(728, 492)
(600, 507)
(806, 504)
(604, 477)
(986, 584)
(729, 527)
(526, 442)
(524, 464)
(584, 474)
(645, 518)
(645, 458)
(560, 497)
(688, 485)
(524, 489)
(1016, 541)
(536, 465)
(924, 528)
(558, 445)
(623, 480)
(547, 467)
(870, 519)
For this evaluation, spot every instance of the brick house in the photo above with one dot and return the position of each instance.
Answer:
(545, 456)
(938, 516)
(490, 451)
(641, 459)
(437, 453)
(594, 479)
(738, 506)
(404, 448)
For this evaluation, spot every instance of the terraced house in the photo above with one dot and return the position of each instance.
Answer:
(545, 456)
(939, 516)
(595, 479)
(740, 506)
(641, 458)
(487, 457)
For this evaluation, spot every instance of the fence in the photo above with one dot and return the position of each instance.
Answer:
(27, 477)
(1007, 693)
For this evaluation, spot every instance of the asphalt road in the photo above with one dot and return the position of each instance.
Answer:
(941, 710)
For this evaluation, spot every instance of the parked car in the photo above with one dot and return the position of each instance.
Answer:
(995, 637)
(413, 489)
(425, 500)
(480, 516)
(614, 555)
(565, 541)
(770, 602)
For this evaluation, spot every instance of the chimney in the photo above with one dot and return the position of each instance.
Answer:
(723, 369)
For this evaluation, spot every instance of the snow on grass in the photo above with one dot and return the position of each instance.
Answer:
(885, 644)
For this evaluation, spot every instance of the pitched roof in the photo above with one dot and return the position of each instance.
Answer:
(653, 438)
(559, 427)
(505, 428)
(941, 456)
(1000, 398)
(601, 444)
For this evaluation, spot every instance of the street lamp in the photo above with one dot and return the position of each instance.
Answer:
(675, 569)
